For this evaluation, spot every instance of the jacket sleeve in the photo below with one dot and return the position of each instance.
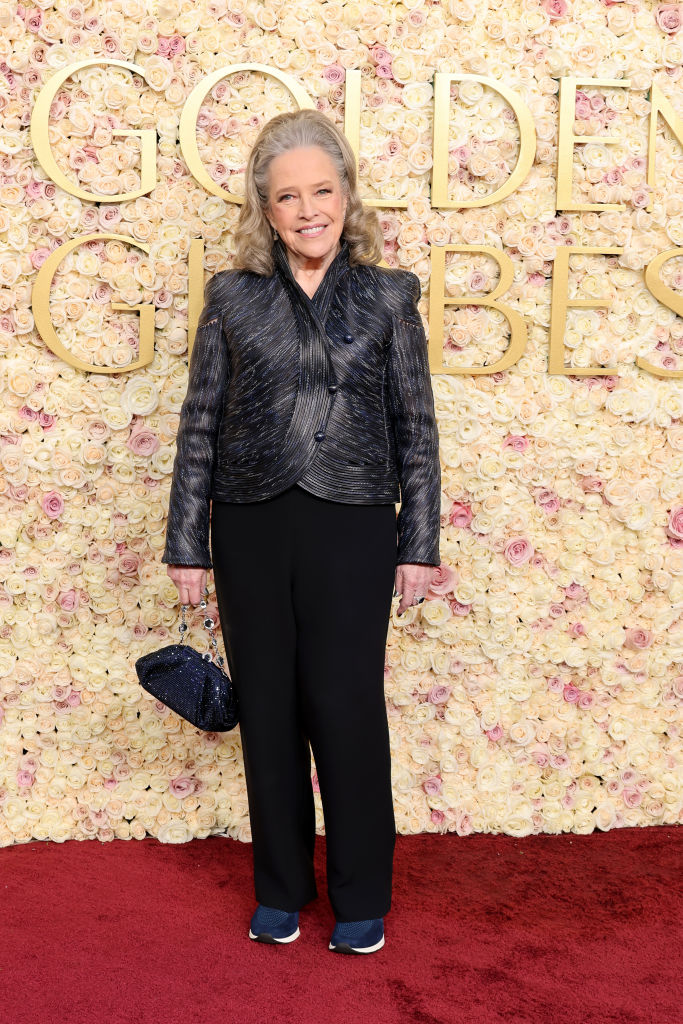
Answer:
(415, 432)
(187, 525)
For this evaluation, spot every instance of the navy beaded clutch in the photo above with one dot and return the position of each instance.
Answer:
(190, 683)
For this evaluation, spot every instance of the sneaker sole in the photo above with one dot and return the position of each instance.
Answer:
(344, 947)
(267, 937)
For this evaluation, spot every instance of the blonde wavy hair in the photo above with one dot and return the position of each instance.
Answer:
(308, 127)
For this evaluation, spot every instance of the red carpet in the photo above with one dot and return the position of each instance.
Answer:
(561, 929)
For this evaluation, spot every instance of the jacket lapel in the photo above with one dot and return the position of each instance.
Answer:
(317, 307)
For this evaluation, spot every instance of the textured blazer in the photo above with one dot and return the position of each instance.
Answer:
(333, 393)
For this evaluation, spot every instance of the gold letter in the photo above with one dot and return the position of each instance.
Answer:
(669, 298)
(438, 299)
(659, 104)
(352, 132)
(195, 288)
(190, 113)
(40, 303)
(558, 311)
(527, 145)
(566, 140)
(41, 144)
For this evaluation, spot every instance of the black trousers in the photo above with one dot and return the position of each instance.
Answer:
(304, 588)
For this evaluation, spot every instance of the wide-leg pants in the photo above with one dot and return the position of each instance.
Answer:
(304, 588)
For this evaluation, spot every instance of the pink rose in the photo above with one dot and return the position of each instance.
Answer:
(518, 442)
(555, 8)
(176, 45)
(518, 550)
(334, 73)
(463, 823)
(582, 106)
(586, 700)
(548, 500)
(478, 281)
(571, 694)
(381, 55)
(640, 197)
(457, 608)
(613, 176)
(460, 515)
(52, 504)
(559, 761)
(315, 783)
(68, 600)
(438, 817)
(637, 639)
(25, 778)
(495, 733)
(442, 580)
(432, 786)
(183, 786)
(668, 17)
(439, 693)
(143, 441)
(129, 563)
(540, 756)
(38, 257)
(675, 524)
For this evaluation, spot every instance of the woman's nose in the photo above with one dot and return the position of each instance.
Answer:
(307, 207)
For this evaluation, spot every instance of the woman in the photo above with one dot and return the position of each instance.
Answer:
(309, 405)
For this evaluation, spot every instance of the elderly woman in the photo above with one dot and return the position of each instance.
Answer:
(309, 414)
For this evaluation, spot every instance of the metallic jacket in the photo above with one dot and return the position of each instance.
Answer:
(333, 393)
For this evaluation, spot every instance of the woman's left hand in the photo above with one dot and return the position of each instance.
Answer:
(412, 583)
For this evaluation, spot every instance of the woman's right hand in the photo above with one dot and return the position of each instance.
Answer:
(190, 582)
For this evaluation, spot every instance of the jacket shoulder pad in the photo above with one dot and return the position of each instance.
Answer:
(400, 289)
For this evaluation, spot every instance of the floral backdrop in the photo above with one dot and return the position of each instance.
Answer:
(538, 688)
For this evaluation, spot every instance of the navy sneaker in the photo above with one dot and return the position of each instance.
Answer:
(358, 936)
(271, 925)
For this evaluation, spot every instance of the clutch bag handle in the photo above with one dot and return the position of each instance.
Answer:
(208, 623)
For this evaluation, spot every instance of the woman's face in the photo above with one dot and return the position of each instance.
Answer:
(306, 205)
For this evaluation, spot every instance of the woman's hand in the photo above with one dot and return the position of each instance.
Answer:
(190, 582)
(412, 583)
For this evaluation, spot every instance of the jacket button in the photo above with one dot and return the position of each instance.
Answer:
(348, 338)
(332, 388)
(319, 435)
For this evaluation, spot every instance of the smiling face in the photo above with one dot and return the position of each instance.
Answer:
(306, 204)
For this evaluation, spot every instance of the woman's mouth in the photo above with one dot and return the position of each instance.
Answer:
(312, 232)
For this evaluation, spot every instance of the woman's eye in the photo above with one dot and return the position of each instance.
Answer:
(288, 195)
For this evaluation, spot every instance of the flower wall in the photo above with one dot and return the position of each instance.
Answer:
(538, 688)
